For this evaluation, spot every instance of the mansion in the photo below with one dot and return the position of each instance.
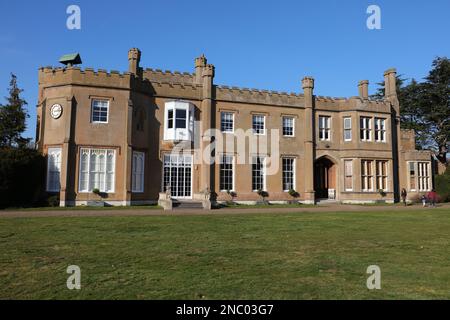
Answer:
(112, 136)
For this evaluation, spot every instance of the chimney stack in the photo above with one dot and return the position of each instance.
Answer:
(390, 87)
(134, 57)
(363, 88)
(200, 64)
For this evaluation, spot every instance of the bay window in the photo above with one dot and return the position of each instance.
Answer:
(97, 170)
(178, 120)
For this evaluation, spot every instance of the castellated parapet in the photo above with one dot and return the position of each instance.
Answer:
(188, 85)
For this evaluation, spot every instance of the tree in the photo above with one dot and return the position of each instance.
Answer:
(425, 107)
(436, 105)
(12, 118)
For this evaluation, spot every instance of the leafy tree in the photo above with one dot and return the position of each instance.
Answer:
(12, 118)
(436, 105)
(425, 107)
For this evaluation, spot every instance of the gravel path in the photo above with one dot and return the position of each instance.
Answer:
(180, 212)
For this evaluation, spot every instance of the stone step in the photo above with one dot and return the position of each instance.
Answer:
(187, 205)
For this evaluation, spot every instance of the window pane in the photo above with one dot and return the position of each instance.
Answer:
(226, 122)
(258, 124)
(288, 173)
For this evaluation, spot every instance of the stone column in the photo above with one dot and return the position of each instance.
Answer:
(128, 153)
(398, 164)
(66, 154)
(206, 123)
(308, 86)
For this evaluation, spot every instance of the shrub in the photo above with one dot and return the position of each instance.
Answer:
(22, 177)
(293, 193)
(53, 201)
(442, 185)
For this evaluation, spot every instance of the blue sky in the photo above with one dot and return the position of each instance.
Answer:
(257, 44)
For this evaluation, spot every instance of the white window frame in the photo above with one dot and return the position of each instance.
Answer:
(348, 174)
(222, 113)
(379, 175)
(324, 128)
(380, 130)
(423, 175)
(177, 161)
(365, 128)
(232, 172)
(263, 169)
(51, 153)
(102, 188)
(408, 174)
(366, 175)
(263, 123)
(138, 156)
(283, 126)
(92, 110)
(347, 128)
(179, 133)
(294, 171)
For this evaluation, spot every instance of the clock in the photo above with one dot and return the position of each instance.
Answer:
(56, 111)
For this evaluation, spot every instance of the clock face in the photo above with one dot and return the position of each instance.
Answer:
(56, 111)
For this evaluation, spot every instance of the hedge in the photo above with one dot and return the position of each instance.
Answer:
(22, 176)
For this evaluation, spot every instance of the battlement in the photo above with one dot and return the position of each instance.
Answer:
(49, 76)
(168, 76)
(246, 95)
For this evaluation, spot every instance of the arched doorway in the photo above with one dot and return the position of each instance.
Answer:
(325, 178)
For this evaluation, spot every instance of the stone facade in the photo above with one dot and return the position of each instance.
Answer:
(121, 145)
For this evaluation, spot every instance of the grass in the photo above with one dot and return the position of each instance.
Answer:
(83, 208)
(248, 256)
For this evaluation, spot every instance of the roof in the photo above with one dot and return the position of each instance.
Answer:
(71, 58)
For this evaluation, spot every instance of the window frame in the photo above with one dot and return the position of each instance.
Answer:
(423, 166)
(384, 178)
(263, 170)
(139, 156)
(293, 173)
(50, 151)
(89, 172)
(263, 124)
(378, 129)
(346, 175)
(325, 131)
(292, 128)
(222, 170)
(365, 175)
(365, 132)
(222, 113)
(107, 110)
(345, 129)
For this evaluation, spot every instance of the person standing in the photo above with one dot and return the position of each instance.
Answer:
(424, 201)
(432, 197)
(403, 195)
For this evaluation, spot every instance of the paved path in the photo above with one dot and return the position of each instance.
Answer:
(180, 212)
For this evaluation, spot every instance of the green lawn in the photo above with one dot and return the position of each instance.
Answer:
(248, 256)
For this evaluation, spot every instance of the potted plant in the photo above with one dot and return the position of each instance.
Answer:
(263, 194)
(232, 195)
(382, 194)
(97, 203)
(294, 194)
